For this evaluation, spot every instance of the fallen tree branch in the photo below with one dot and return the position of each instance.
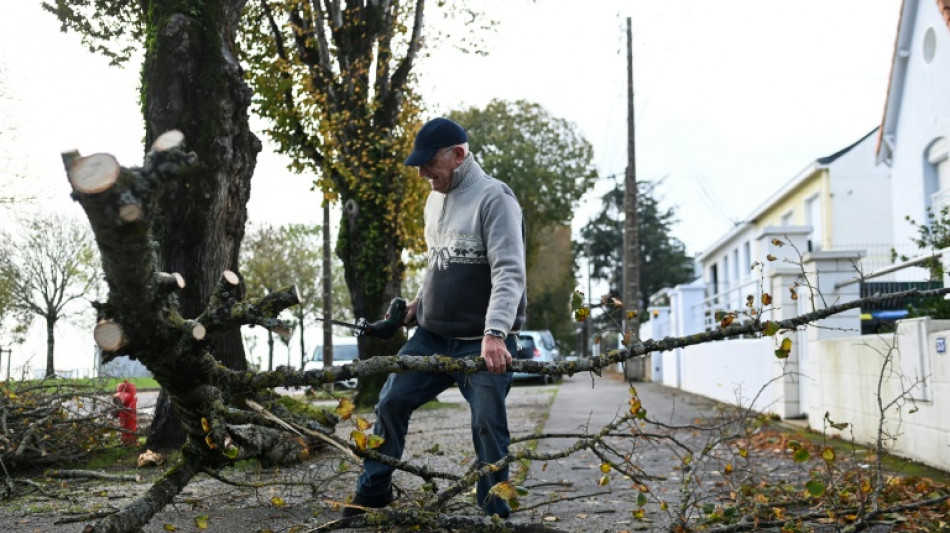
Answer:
(87, 474)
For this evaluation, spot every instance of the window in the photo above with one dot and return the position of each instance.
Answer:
(725, 272)
(937, 174)
(735, 264)
(930, 45)
(814, 219)
(747, 258)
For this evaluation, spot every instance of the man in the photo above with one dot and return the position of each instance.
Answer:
(472, 302)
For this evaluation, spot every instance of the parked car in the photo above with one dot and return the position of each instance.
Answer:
(345, 351)
(537, 345)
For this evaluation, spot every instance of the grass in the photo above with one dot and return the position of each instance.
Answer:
(892, 463)
(106, 384)
(117, 457)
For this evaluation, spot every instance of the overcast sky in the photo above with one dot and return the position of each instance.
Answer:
(733, 97)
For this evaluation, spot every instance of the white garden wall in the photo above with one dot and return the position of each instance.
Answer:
(844, 375)
(732, 372)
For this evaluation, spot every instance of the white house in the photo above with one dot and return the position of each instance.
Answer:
(828, 210)
(837, 202)
(914, 139)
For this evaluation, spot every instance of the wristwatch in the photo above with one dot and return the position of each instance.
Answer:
(495, 333)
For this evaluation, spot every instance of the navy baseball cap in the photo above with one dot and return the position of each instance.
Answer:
(434, 135)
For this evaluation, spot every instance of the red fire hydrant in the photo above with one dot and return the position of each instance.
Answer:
(125, 402)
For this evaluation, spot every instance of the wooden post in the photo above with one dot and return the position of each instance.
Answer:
(327, 290)
(631, 253)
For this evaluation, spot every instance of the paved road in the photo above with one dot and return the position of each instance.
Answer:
(585, 404)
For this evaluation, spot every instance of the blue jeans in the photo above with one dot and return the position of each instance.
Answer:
(404, 392)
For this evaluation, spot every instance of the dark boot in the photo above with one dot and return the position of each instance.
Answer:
(375, 502)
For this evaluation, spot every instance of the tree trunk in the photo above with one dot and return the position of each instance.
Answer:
(369, 296)
(270, 350)
(192, 82)
(303, 349)
(50, 346)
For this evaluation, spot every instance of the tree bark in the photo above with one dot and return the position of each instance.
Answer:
(50, 345)
(143, 314)
(192, 82)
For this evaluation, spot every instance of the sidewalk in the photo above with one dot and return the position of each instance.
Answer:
(585, 404)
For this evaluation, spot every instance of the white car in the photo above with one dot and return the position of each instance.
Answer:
(345, 351)
(537, 345)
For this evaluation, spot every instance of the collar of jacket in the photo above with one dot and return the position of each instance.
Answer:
(466, 173)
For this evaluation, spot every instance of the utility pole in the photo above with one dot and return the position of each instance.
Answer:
(9, 357)
(588, 324)
(631, 244)
(327, 290)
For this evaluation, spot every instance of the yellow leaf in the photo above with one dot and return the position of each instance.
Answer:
(201, 522)
(504, 490)
(205, 425)
(635, 406)
(359, 438)
(581, 314)
(277, 501)
(777, 242)
(728, 468)
(169, 527)
(345, 408)
(766, 298)
(786, 344)
(604, 480)
(727, 320)
(362, 424)
(771, 257)
(210, 442)
(828, 454)
(865, 486)
(793, 295)
(605, 468)
(375, 441)
(743, 452)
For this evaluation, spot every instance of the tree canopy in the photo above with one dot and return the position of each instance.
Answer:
(334, 81)
(663, 258)
(46, 268)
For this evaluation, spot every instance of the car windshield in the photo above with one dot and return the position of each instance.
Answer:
(342, 352)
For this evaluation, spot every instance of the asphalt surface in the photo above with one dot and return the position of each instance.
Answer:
(579, 500)
(567, 494)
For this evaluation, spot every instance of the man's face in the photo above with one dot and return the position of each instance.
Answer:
(438, 171)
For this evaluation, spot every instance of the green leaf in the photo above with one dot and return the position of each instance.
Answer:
(231, 452)
(815, 488)
(577, 300)
(801, 455)
(641, 499)
(770, 328)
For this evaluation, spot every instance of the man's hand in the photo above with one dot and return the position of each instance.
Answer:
(496, 354)
(410, 319)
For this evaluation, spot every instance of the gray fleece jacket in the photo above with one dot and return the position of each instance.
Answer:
(476, 277)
